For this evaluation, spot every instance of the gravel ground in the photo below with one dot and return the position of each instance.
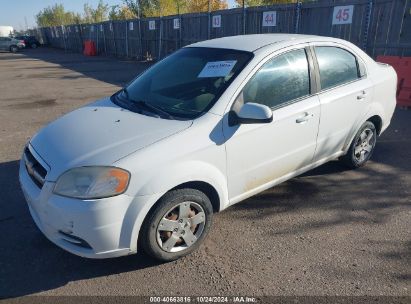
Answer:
(328, 232)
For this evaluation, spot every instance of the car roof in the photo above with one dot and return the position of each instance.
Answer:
(254, 42)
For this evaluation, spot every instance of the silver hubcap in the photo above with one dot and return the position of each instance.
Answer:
(181, 227)
(364, 145)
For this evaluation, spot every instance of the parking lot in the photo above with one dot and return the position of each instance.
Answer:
(329, 232)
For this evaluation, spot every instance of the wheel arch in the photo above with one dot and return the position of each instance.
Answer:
(140, 209)
(377, 121)
(204, 187)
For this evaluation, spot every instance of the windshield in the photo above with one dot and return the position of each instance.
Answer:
(185, 84)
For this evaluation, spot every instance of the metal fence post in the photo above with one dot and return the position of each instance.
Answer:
(209, 21)
(297, 17)
(244, 18)
(104, 39)
(64, 39)
(126, 38)
(367, 24)
(113, 34)
(97, 34)
(160, 37)
(179, 45)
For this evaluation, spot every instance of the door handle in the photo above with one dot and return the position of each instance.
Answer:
(305, 118)
(362, 95)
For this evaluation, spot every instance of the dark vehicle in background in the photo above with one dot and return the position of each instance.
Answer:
(30, 41)
(11, 44)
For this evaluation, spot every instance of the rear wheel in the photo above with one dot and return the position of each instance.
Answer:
(361, 147)
(34, 45)
(177, 225)
(14, 49)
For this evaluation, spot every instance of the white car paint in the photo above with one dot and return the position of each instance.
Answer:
(237, 161)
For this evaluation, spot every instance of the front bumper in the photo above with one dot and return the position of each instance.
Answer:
(88, 228)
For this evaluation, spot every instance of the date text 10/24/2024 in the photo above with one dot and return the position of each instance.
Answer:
(203, 299)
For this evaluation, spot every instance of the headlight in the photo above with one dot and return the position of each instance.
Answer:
(92, 182)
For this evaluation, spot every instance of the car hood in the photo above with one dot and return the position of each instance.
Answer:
(98, 134)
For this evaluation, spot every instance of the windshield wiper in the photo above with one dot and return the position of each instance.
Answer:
(152, 108)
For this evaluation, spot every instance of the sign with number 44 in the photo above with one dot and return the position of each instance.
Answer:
(343, 14)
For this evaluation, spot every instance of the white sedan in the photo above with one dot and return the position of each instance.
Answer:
(207, 127)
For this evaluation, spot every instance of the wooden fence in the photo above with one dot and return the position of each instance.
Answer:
(380, 27)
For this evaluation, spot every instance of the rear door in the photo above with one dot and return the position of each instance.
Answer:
(345, 92)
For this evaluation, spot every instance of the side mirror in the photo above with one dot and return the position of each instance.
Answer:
(251, 113)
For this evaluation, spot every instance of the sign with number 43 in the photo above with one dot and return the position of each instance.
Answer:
(343, 14)
(270, 18)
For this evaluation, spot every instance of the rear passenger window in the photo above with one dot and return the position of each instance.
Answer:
(337, 66)
(280, 80)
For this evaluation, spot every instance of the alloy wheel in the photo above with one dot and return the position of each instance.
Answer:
(364, 145)
(181, 227)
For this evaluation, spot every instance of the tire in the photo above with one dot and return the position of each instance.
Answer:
(33, 46)
(362, 146)
(181, 234)
(14, 49)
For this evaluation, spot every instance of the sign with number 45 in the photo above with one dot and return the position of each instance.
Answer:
(343, 14)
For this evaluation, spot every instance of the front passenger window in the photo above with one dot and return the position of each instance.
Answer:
(280, 80)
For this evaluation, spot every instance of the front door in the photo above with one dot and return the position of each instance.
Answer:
(260, 154)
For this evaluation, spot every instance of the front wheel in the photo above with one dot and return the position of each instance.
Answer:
(177, 225)
(14, 49)
(361, 147)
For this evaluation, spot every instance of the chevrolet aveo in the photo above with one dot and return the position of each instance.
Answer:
(207, 127)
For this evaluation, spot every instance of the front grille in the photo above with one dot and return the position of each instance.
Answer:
(35, 170)
(75, 240)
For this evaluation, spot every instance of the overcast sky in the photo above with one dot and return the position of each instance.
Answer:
(14, 12)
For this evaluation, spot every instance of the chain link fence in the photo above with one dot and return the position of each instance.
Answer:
(380, 27)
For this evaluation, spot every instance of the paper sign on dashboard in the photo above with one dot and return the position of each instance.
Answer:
(217, 69)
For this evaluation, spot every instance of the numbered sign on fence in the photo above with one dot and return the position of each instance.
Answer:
(176, 23)
(343, 14)
(131, 26)
(92, 28)
(101, 28)
(76, 27)
(152, 25)
(270, 18)
(111, 27)
(217, 21)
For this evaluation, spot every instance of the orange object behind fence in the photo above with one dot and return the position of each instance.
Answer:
(402, 66)
(89, 48)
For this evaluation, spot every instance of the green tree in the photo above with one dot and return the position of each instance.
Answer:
(266, 2)
(194, 6)
(95, 15)
(153, 8)
(121, 12)
(56, 15)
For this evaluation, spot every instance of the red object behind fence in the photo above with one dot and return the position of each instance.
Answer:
(89, 48)
(402, 66)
